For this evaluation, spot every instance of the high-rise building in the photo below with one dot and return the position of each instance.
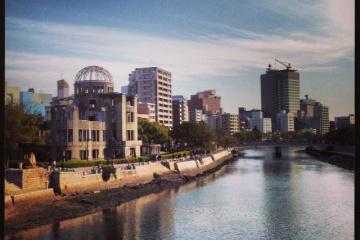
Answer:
(196, 115)
(313, 114)
(321, 117)
(180, 110)
(230, 122)
(344, 121)
(262, 124)
(62, 89)
(245, 117)
(280, 90)
(285, 121)
(207, 101)
(153, 85)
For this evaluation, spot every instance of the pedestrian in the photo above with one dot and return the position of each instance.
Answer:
(54, 164)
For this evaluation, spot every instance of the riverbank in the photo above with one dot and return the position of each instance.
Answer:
(29, 214)
(340, 159)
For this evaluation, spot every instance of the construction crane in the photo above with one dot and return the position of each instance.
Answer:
(286, 64)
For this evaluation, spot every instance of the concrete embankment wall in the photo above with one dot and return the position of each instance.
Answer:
(74, 181)
(195, 167)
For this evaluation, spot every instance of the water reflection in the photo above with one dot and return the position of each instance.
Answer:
(256, 197)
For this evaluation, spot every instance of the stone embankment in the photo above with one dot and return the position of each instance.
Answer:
(42, 185)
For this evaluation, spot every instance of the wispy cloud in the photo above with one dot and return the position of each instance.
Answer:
(120, 51)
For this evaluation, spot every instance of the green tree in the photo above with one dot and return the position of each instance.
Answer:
(224, 139)
(20, 128)
(152, 132)
(194, 136)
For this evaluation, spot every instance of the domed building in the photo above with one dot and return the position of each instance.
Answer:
(95, 122)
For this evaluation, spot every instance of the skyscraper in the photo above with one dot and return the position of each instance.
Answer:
(153, 85)
(280, 90)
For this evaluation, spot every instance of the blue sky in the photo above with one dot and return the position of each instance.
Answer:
(222, 45)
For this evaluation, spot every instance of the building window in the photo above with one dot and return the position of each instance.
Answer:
(68, 154)
(80, 135)
(92, 104)
(129, 135)
(84, 154)
(64, 136)
(93, 135)
(104, 135)
(95, 153)
(70, 135)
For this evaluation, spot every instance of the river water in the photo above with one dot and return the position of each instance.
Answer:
(255, 197)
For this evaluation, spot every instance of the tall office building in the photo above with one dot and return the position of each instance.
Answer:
(153, 85)
(280, 90)
(196, 115)
(180, 110)
(321, 117)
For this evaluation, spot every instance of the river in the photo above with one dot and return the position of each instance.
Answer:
(254, 197)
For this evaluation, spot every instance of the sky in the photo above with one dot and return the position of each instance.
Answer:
(223, 45)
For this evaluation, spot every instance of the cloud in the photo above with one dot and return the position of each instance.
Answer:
(63, 49)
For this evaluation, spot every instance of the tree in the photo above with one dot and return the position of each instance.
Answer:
(20, 128)
(152, 132)
(194, 136)
(225, 140)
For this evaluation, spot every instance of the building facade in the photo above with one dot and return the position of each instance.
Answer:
(230, 123)
(62, 89)
(196, 115)
(280, 90)
(180, 110)
(285, 122)
(313, 114)
(207, 101)
(344, 121)
(245, 117)
(12, 95)
(262, 124)
(153, 85)
(95, 123)
(147, 111)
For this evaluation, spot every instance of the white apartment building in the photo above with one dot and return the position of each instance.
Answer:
(153, 85)
(262, 124)
(285, 121)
